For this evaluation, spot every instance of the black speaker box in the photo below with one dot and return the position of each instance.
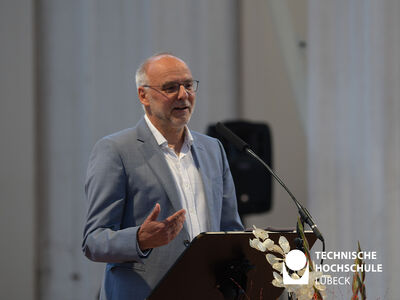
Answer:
(252, 181)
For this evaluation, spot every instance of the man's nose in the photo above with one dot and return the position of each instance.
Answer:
(183, 93)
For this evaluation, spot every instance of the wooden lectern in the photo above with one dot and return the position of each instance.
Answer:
(221, 266)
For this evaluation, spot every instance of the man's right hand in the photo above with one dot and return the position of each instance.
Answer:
(155, 233)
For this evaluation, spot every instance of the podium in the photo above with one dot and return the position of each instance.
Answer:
(217, 262)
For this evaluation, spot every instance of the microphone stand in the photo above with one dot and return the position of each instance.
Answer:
(303, 212)
(305, 216)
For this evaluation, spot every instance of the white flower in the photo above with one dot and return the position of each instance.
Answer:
(260, 233)
(277, 276)
(257, 244)
(283, 242)
(277, 249)
(272, 259)
(268, 243)
(278, 266)
(302, 292)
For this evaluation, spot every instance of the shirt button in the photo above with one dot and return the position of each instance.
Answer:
(186, 243)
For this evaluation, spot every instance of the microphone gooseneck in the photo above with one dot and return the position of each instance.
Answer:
(243, 146)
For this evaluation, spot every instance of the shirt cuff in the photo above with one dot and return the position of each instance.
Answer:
(142, 254)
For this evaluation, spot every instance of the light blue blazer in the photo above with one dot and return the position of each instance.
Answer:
(127, 175)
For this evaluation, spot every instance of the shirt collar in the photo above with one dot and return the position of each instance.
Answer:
(161, 141)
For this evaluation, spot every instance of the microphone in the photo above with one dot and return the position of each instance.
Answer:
(231, 137)
(244, 147)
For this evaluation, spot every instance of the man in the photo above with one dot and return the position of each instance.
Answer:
(154, 187)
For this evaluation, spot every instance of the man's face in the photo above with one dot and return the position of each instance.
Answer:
(167, 110)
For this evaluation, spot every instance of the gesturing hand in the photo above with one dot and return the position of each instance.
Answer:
(155, 233)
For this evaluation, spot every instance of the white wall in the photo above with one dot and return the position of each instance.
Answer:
(17, 152)
(267, 95)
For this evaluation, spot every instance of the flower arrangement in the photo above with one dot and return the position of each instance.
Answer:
(358, 286)
(276, 257)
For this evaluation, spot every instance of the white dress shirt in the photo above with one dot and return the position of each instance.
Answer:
(187, 180)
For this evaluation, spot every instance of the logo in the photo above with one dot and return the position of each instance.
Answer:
(295, 260)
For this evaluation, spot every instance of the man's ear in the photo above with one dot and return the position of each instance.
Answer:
(143, 95)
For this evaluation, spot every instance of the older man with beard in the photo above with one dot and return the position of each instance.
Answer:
(152, 188)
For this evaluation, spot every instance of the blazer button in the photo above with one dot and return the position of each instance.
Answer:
(186, 243)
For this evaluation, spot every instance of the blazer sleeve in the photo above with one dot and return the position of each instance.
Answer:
(104, 240)
(230, 219)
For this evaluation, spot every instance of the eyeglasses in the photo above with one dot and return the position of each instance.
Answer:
(171, 88)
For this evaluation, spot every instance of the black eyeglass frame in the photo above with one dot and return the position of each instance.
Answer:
(176, 86)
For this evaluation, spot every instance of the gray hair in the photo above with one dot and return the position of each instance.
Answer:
(141, 72)
(141, 76)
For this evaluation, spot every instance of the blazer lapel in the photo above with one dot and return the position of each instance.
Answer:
(156, 161)
(200, 157)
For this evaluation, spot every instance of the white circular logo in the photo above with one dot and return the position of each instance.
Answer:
(296, 260)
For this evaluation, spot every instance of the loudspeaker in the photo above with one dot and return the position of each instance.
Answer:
(252, 181)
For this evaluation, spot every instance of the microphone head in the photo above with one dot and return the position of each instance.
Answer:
(231, 137)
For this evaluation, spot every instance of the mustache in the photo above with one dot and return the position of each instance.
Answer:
(183, 105)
